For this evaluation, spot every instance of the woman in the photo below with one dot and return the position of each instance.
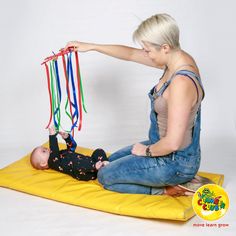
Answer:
(172, 155)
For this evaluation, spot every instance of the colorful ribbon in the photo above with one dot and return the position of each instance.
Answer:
(74, 96)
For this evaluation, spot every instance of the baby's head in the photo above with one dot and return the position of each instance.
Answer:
(39, 158)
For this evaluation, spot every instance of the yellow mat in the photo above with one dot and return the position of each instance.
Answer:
(53, 185)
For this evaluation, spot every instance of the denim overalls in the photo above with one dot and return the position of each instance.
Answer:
(129, 173)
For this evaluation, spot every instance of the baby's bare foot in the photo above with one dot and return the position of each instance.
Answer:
(98, 165)
(105, 163)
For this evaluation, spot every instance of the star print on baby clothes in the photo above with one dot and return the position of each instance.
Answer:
(74, 164)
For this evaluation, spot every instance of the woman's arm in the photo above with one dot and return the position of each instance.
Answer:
(118, 51)
(181, 97)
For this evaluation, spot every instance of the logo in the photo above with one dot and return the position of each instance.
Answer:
(210, 202)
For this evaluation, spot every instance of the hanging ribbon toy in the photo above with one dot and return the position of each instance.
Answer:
(74, 90)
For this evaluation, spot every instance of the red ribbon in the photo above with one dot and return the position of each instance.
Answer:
(61, 53)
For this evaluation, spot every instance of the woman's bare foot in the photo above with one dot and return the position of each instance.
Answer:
(176, 191)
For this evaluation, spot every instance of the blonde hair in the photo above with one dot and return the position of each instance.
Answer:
(158, 29)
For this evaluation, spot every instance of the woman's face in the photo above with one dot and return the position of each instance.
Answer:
(156, 53)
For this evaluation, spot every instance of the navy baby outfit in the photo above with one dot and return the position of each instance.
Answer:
(75, 164)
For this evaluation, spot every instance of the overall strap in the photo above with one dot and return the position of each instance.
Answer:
(190, 75)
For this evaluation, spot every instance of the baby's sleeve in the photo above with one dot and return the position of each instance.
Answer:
(70, 143)
(53, 144)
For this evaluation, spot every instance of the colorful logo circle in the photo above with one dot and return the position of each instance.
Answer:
(210, 202)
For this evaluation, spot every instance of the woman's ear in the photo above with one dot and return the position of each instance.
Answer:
(166, 48)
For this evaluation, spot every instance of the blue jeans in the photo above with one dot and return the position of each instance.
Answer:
(127, 173)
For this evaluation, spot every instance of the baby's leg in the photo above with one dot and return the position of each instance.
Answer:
(99, 155)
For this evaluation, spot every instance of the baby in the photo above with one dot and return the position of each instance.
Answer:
(68, 161)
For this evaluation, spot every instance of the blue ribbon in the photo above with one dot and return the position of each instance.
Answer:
(75, 104)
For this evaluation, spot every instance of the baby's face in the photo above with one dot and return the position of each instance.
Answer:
(43, 153)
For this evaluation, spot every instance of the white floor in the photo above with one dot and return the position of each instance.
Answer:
(23, 214)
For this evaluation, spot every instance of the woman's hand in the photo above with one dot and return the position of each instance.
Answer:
(139, 149)
(79, 46)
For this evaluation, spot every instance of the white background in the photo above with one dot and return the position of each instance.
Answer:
(115, 97)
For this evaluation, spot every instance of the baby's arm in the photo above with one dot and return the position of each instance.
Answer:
(53, 144)
(70, 142)
(55, 160)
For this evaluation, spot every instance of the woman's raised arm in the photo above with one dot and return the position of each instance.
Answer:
(118, 51)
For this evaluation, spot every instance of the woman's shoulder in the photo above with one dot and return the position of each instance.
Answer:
(188, 83)
(189, 64)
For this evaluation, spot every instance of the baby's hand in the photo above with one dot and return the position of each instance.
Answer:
(64, 135)
(52, 130)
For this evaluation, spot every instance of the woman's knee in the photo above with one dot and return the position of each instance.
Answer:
(120, 153)
(126, 151)
(103, 179)
(102, 176)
